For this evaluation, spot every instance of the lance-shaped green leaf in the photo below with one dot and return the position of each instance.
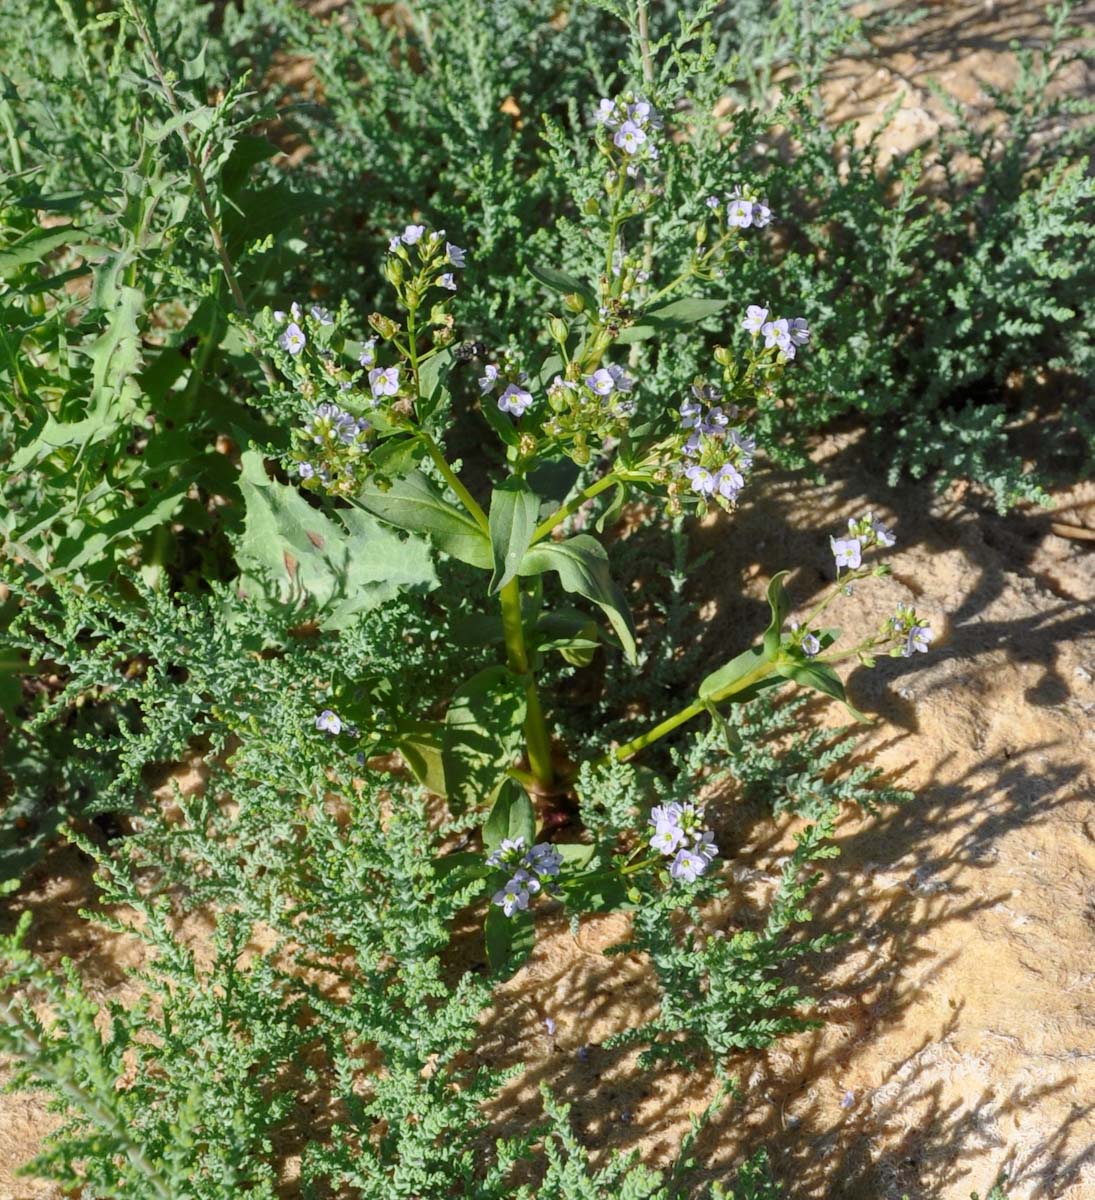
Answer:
(510, 817)
(514, 508)
(290, 550)
(686, 311)
(509, 939)
(780, 604)
(747, 662)
(582, 566)
(462, 757)
(412, 503)
(822, 678)
(563, 283)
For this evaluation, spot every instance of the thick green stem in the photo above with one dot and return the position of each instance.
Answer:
(537, 742)
(453, 480)
(630, 749)
(572, 506)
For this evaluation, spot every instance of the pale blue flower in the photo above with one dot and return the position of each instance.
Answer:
(629, 137)
(455, 254)
(755, 318)
(701, 479)
(412, 234)
(293, 339)
(688, 866)
(488, 379)
(328, 722)
(729, 481)
(368, 353)
(394, 244)
(798, 331)
(739, 213)
(514, 400)
(305, 470)
(447, 281)
(601, 382)
(384, 382)
(712, 202)
(691, 414)
(778, 333)
(510, 849)
(512, 897)
(810, 645)
(544, 859)
(848, 552)
(920, 638)
(882, 535)
(667, 838)
(606, 113)
(762, 214)
(320, 314)
(620, 378)
(705, 846)
(666, 814)
(715, 423)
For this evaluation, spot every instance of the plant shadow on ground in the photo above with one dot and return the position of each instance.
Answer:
(931, 1141)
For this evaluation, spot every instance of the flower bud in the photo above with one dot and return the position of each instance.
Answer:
(574, 302)
(723, 356)
(558, 329)
(591, 207)
(701, 234)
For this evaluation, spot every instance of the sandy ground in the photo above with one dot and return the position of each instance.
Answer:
(959, 1042)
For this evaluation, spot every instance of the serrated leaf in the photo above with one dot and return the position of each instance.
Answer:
(514, 509)
(289, 550)
(583, 568)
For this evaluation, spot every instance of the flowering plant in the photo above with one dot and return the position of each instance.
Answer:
(374, 416)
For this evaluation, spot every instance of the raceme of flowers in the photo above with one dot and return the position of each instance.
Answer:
(913, 634)
(532, 870)
(714, 457)
(863, 533)
(679, 835)
(741, 209)
(785, 334)
(633, 125)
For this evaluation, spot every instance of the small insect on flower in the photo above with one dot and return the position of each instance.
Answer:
(514, 400)
(384, 382)
(755, 318)
(329, 722)
(293, 339)
(848, 552)
(920, 638)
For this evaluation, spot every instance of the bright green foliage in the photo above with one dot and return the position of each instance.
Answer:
(435, 693)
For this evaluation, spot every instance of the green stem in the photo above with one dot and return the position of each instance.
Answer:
(453, 480)
(614, 225)
(630, 749)
(549, 523)
(537, 742)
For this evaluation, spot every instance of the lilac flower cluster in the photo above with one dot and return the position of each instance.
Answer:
(743, 209)
(532, 870)
(679, 834)
(633, 124)
(714, 457)
(597, 405)
(786, 334)
(509, 384)
(863, 533)
(293, 337)
(435, 264)
(913, 634)
(809, 641)
(331, 448)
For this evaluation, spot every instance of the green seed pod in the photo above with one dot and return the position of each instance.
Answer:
(574, 302)
(559, 330)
